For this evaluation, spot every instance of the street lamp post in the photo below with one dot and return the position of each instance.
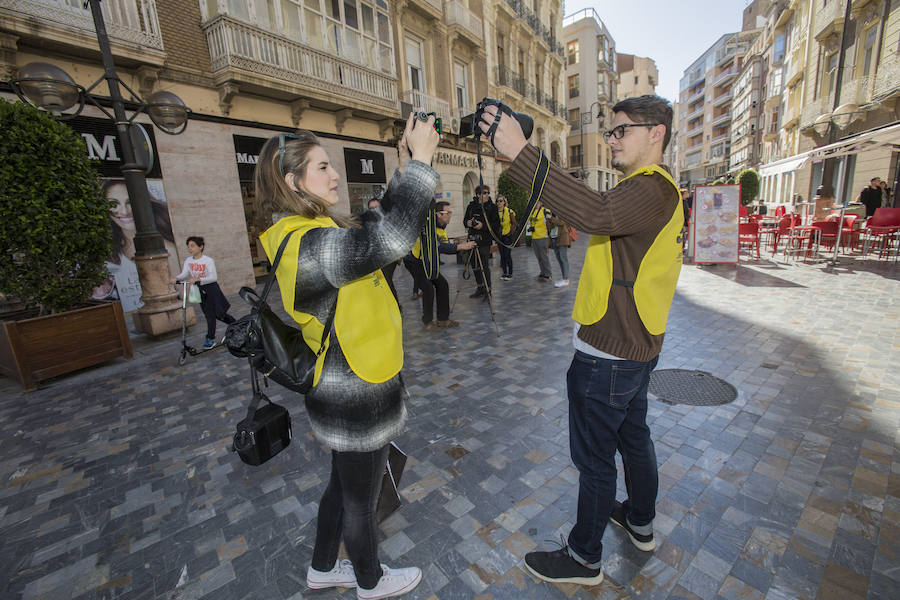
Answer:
(586, 121)
(50, 88)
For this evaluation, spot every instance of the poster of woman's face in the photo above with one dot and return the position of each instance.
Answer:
(123, 283)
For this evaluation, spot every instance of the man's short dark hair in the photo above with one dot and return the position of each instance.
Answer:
(440, 205)
(875, 179)
(196, 239)
(478, 188)
(649, 108)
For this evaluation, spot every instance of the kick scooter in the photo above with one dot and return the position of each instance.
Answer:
(185, 349)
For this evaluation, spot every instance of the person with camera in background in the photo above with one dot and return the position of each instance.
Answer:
(480, 214)
(621, 307)
(437, 288)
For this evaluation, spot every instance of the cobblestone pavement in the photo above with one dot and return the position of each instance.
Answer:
(116, 482)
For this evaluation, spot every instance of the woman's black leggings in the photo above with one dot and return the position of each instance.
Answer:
(347, 510)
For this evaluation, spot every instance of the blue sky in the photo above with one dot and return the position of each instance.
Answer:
(673, 33)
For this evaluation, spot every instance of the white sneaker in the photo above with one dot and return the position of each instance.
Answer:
(561, 283)
(393, 582)
(341, 575)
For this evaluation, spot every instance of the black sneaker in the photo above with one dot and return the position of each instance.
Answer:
(640, 541)
(478, 293)
(558, 567)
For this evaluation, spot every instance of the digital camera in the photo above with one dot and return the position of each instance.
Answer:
(423, 116)
(469, 124)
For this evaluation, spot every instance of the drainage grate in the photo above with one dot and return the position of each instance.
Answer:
(697, 388)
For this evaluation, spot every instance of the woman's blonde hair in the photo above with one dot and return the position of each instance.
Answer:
(271, 168)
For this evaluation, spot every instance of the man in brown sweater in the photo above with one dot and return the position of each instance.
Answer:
(621, 306)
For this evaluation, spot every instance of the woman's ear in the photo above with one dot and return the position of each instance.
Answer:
(289, 180)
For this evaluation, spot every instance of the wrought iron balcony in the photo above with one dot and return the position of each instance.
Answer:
(251, 51)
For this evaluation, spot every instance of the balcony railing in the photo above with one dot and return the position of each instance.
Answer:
(696, 95)
(431, 103)
(236, 45)
(694, 131)
(857, 91)
(436, 4)
(791, 115)
(725, 75)
(887, 79)
(828, 18)
(722, 98)
(723, 118)
(133, 21)
(814, 110)
(794, 72)
(457, 14)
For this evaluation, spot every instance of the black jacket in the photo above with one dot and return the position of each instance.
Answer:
(478, 212)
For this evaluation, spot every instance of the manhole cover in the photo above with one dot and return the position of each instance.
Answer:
(697, 388)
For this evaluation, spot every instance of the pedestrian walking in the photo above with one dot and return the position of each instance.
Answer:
(508, 225)
(560, 242)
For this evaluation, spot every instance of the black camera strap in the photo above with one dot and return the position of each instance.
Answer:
(428, 246)
(538, 181)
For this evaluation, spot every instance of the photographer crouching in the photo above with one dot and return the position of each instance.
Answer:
(481, 213)
(621, 308)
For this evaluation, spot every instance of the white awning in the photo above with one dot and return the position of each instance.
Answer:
(888, 136)
(784, 165)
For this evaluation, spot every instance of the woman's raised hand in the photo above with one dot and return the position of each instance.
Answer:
(421, 138)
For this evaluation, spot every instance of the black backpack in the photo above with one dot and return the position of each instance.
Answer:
(274, 348)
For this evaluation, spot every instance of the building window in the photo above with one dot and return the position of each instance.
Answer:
(572, 52)
(356, 29)
(637, 79)
(871, 34)
(415, 64)
(573, 86)
(830, 73)
(575, 158)
(573, 116)
(501, 51)
(462, 87)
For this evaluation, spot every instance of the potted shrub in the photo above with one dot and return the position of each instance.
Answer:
(55, 235)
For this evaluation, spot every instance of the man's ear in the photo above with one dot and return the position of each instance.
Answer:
(658, 133)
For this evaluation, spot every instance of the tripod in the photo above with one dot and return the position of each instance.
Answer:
(478, 267)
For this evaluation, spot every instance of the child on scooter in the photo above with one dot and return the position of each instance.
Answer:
(201, 271)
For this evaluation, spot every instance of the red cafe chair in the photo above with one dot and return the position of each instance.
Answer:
(748, 233)
(828, 232)
(881, 228)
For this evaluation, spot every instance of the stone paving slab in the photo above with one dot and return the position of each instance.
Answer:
(117, 482)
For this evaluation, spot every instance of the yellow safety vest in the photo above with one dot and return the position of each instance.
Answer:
(417, 247)
(366, 320)
(657, 275)
(537, 223)
(505, 221)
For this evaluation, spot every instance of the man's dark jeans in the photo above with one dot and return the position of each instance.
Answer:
(347, 509)
(608, 411)
(432, 289)
(484, 251)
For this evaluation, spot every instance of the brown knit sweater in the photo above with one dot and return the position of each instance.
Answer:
(632, 214)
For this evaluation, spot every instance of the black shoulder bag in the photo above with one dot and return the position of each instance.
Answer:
(274, 348)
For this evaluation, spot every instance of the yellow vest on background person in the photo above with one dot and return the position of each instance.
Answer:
(538, 224)
(506, 221)
(657, 275)
(366, 320)
(417, 247)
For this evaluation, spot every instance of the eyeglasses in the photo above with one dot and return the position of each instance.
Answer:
(445, 212)
(281, 139)
(485, 193)
(619, 132)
